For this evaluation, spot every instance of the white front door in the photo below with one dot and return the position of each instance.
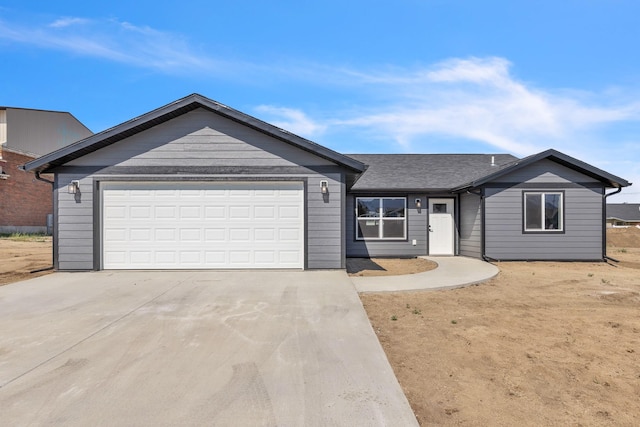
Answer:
(441, 227)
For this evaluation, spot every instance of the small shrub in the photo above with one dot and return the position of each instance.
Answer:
(394, 317)
(454, 322)
(416, 311)
(590, 275)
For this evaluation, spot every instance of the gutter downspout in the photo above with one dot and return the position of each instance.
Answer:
(604, 224)
(53, 231)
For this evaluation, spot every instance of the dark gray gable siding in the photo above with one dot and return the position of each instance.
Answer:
(176, 109)
(582, 237)
(200, 138)
(470, 240)
(186, 148)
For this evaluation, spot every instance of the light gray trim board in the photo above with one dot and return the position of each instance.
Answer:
(470, 227)
(56, 223)
(195, 170)
(545, 185)
(97, 229)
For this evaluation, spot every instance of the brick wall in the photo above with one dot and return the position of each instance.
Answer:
(24, 201)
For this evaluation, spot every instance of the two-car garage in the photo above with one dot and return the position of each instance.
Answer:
(196, 184)
(202, 225)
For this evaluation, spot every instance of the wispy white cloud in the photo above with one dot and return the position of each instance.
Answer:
(114, 40)
(292, 120)
(68, 21)
(478, 99)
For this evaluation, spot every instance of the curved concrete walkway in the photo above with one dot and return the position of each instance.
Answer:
(452, 272)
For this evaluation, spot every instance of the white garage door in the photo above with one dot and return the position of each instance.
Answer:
(153, 225)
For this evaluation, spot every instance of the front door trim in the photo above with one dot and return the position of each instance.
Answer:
(441, 226)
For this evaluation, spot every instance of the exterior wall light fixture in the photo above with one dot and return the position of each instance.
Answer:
(418, 204)
(73, 187)
(324, 186)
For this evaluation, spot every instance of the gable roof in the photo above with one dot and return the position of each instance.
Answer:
(606, 178)
(624, 211)
(175, 109)
(425, 172)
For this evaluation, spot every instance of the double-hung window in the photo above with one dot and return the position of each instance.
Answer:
(381, 218)
(543, 211)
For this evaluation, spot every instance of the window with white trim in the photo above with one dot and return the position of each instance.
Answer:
(543, 211)
(381, 218)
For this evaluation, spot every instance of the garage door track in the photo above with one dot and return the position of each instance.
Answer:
(193, 348)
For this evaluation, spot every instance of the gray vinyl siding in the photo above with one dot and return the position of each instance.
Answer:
(470, 238)
(74, 224)
(416, 229)
(324, 231)
(545, 171)
(196, 139)
(582, 236)
(200, 138)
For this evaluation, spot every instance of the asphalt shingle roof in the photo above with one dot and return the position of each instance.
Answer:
(425, 172)
(624, 211)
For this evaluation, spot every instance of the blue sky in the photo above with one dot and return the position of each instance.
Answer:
(410, 76)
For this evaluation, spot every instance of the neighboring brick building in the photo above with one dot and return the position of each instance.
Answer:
(26, 134)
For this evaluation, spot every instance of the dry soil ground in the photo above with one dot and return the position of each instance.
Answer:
(387, 266)
(542, 344)
(22, 255)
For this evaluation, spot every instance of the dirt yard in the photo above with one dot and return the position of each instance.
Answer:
(22, 255)
(542, 344)
(388, 266)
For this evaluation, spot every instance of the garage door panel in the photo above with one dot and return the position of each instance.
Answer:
(264, 212)
(207, 225)
(190, 235)
(140, 212)
(190, 212)
(215, 235)
(239, 193)
(141, 257)
(216, 258)
(190, 258)
(289, 234)
(288, 212)
(115, 235)
(140, 235)
(239, 212)
(168, 257)
(264, 235)
(165, 234)
(265, 257)
(166, 212)
(289, 257)
(116, 212)
(239, 257)
(215, 212)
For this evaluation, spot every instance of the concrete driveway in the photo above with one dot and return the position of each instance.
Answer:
(193, 348)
